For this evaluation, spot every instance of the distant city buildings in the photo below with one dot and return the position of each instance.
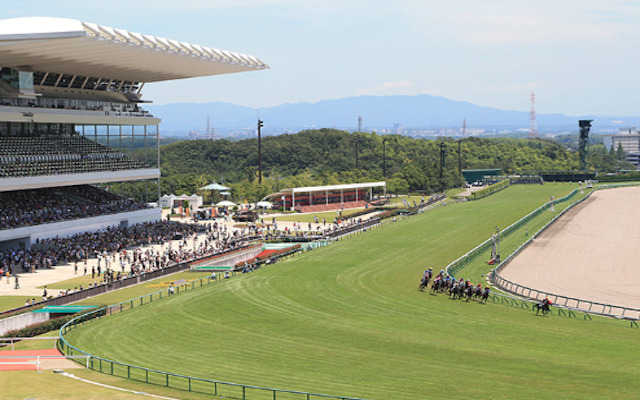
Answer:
(629, 139)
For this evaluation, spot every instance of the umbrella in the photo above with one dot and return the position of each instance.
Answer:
(225, 193)
(214, 186)
(225, 203)
(264, 204)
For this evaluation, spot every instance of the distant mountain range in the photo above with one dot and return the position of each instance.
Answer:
(410, 114)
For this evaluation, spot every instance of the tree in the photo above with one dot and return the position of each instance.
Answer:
(620, 152)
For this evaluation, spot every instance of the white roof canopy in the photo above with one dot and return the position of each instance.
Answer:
(347, 186)
(73, 47)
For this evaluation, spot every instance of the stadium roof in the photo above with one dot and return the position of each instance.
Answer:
(69, 46)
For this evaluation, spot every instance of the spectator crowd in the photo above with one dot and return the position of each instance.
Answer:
(39, 206)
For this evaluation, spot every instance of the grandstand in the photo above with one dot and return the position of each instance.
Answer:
(71, 122)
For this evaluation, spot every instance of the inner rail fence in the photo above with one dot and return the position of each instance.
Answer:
(572, 303)
(168, 379)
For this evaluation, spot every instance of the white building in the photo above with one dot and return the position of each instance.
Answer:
(629, 138)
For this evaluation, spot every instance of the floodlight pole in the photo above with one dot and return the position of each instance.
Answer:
(260, 125)
(384, 158)
(442, 152)
(460, 158)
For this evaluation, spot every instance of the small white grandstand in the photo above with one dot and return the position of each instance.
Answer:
(71, 118)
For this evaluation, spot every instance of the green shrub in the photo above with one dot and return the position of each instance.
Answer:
(489, 190)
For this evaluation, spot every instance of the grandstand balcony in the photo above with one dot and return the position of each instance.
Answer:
(86, 178)
(30, 162)
(28, 235)
(40, 115)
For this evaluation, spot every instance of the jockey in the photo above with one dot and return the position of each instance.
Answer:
(479, 287)
(487, 289)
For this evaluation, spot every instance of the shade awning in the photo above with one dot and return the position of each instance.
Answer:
(214, 186)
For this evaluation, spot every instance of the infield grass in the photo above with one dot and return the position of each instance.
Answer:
(347, 319)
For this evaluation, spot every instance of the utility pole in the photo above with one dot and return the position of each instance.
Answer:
(357, 164)
(260, 125)
(460, 157)
(384, 159)
(359, 130)
(442, 153)
(533, 129)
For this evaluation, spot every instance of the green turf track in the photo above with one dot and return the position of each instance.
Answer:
(347, 319)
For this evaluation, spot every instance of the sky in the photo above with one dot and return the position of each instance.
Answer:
(579, 57)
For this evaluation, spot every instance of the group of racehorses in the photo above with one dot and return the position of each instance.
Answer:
(456, 289)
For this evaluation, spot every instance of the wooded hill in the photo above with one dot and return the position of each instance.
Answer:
(328, 156)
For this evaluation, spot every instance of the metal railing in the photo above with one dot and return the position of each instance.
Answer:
(168, 379)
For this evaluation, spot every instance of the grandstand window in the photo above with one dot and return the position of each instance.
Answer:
(51, 79)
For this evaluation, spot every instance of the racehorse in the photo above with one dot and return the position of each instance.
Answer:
(542, 306)
(424, 282)
(485, 295)
(469, 291)
(436, 286)
(455, 290)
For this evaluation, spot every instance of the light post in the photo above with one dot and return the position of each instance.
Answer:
(442, 154)
(260, 125)
(460, 157)
(384, 159)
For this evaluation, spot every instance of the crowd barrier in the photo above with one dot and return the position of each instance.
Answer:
(558, 300)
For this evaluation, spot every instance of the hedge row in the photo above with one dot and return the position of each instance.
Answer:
(48, 326)
(391, 213)
(630, 177)
(489, 189)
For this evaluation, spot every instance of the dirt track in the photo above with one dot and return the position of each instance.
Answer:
(591, 253)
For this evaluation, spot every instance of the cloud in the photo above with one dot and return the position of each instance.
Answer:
(388, 88)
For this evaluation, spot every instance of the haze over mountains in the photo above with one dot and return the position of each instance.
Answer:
(411, 114)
